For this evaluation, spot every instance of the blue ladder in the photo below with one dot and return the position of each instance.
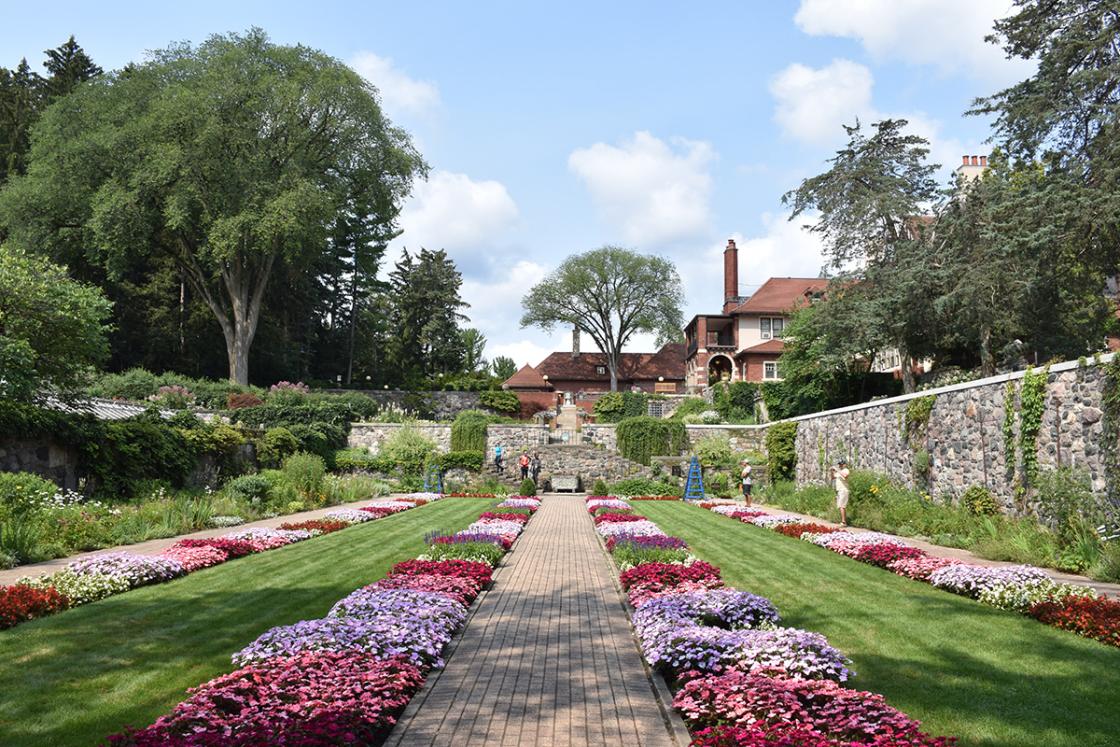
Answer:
(694, 485)
(433, 479)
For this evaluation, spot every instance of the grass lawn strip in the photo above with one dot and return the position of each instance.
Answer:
(87, 673)
(988, 676)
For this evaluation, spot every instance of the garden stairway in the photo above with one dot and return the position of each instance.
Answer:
(588, 461)
(548, 657)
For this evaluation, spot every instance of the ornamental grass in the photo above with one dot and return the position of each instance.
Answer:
(629, 554)
(21, 602)
(312, 699)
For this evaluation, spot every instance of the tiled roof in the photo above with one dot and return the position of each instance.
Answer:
(780, 295)
(526, 378)
(105, 409)
(667, 362)
(770, 346)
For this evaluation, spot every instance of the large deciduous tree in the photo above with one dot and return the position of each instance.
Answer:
(611, 294)
(233, 158)
(52, 329)
(867, 203)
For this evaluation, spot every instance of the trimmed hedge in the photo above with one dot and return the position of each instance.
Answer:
(641, 438)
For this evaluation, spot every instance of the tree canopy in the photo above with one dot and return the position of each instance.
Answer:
(611, 294)
(234, 160)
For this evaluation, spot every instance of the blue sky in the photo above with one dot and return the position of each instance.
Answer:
(666, 127)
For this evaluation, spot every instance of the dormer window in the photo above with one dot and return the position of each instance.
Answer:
(771, 327)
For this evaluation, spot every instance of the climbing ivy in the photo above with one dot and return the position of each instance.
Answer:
(645, 437)
(917, 418)
(1110, 404)
(1009, 428)
(1032, 402)
(781, 451)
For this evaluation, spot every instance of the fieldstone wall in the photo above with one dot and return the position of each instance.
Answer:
(512, 437)
(742, 437)
(443, 405)
(589, 462)
(52, 461)
(964, 436)
(601, 434)
(515, 438)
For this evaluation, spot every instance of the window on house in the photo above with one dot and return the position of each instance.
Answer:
(600, 370)
(772, 327)
(770, 370)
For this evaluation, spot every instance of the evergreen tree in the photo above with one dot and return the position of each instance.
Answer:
(425, 317)
(67, 65)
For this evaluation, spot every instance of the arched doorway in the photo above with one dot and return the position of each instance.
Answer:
(720, 368)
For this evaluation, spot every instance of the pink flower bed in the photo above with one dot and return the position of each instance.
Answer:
(462, 590)
(883, 555)
(195, 558)
(314, 698)
(919, 569)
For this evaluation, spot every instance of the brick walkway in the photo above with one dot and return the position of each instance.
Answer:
(548, 658)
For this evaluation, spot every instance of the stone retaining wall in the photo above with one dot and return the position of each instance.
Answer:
(742, 437)
(50, 460)
(442, 405)
(512, 437)
(964, 436)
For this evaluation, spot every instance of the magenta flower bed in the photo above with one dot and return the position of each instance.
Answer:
(316, 698)
(462, 590)
(195, 558)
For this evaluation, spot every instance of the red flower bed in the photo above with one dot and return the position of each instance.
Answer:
(316, 698)
(796, 530)
(520, 518)
(323, 526)
(885, 554)
(789, 735)
(19, 603)
(668, 574)
(617, 518)
(1092, 618)
(233, 548)
(480, 572)
(765, 700)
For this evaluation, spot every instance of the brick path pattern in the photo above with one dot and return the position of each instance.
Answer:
(548, 658)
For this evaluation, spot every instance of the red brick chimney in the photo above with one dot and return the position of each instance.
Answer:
(730, 273)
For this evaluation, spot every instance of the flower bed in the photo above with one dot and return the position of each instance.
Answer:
(742, 679)
(1092, 618)
(21, 602)
(105, 574)
(341, 679)
(517, 501)
(616, 518)
(1020, 588)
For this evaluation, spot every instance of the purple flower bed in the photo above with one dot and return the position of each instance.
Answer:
(660, 620)
(972, 580)
(402, 604)
(136, 570)
(799, 653)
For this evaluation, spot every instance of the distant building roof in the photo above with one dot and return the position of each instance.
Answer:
(106, 409)
(780, 295)
(668, 363)
(526, 378)
(770, 346)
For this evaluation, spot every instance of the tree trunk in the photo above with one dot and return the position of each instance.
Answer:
(987, 360)
(907, 363)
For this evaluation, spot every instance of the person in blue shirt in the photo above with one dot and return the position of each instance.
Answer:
(498, 459)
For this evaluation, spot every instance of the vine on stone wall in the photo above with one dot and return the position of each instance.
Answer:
(917, 419)
(1110, 404)
(1032, 403)
(1009, 455)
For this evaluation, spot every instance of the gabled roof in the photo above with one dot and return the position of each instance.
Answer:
(770, 346)
(780, 295)
(526, 378)
(668, 362)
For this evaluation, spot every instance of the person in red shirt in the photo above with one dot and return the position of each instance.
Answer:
(523, 463)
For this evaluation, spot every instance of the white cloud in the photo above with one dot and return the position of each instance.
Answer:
(454, 212)
(948, 34)
(651, 191)
(522, 352)
(812, 104)
(400, 93)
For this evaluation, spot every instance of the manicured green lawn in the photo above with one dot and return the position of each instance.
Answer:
(986, 676)
(74, 678)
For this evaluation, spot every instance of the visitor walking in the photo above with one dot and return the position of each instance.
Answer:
(745, 479)
(498, 466)
(535, 468)
(523, 463)
(839, 475)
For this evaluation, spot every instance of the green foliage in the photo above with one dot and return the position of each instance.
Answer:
(468, 460)
(20, 539)
(980, 501)
(486, 552)
(714, 451)
(408, 449)
(307, 409)
(1066, 501)
(305, 473)
(503, 367)
(319, 438)
(641, 438)
(614, 407)
(781, 451)
(468, 431)
(922, 464)
(501, 400)
(917, 419)
(690, 407)
(22, 492)
(1110, 422)
(600, 487)
(351, 488)
(718, 484)
(528, 487)
(138, 384)
(249, 488)
(1032, 398)
(275, 445)
(628, 556)
(734, 401)
(424, 314)
(589, 291)
(642, 486)
(357, 459)
(1107, 566)
(52, 329)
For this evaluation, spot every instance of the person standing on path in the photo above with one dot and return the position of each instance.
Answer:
(535, 468)
(839, 475)
(523, 463)
(746, 481)
(498, 466)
